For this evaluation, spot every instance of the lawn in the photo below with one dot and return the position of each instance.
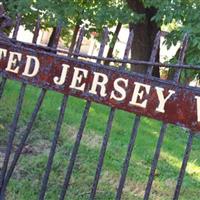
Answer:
(26, 180)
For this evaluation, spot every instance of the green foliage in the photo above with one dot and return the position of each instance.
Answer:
(95, 14)
(185, 14)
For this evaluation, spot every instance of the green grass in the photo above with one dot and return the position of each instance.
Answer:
(26, 180)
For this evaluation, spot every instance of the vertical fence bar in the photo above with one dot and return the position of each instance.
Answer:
(29, 126)
(75, 151)
(53, 149)
(17, 25)
(17, 112)
(184, 165)
(57, 35)
(108, 129)
(24, 139)
(154, 52)
(191, 135)
(57, 130)
(82, 127)
(103, 44)
(2, 86)
(36, 31)
(135, 127)
(79, 41)
(11, 135)
(155, 161)
(181, 57)
(128, 48)
(128, 157)
(14, 36)
(102, 154)
(164, 127)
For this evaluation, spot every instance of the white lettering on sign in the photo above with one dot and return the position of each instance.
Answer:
(29, 61)
(119, 89)
(61, 80)
(14, 57)
(162, 99)
(198, 108)
(97, 82)
(78, 78)
(138, 94)
(110, 87)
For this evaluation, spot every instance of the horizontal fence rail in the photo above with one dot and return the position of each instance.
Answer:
(174, 104)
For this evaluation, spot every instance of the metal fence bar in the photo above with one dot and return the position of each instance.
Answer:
(36, 31)
(128, 157)
(17, 25)
(102, 153)
(164, 127)
(128, 48)
(184, 165)
(2, 86)
(181, 57)
(103, 44)
(155, 162)
(81, 129)
(154, 52)
(108, 129)
(24, 139)
(190, 138)
(135, 128)
(57, 35)
(14, 36)
(75, 151)
(53, 149)
(30, 124)
(79, 41)
(57, 130)
(11, 135)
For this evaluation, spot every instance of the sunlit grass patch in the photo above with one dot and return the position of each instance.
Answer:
(26, 180)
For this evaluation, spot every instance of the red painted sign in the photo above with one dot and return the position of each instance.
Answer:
(151, 97)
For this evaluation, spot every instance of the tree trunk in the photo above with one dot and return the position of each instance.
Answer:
(113, 42)
(144, 35)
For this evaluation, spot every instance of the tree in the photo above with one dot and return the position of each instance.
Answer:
(144, 34)
(146, 17)
(93, 14)
(183, 14)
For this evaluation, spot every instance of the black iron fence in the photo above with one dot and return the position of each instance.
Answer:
(9, 164)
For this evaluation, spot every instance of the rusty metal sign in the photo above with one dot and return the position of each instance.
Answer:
(146, 96)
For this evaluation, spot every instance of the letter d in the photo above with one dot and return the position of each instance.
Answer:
(36, 66)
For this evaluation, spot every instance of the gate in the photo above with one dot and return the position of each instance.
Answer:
(70, 73)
